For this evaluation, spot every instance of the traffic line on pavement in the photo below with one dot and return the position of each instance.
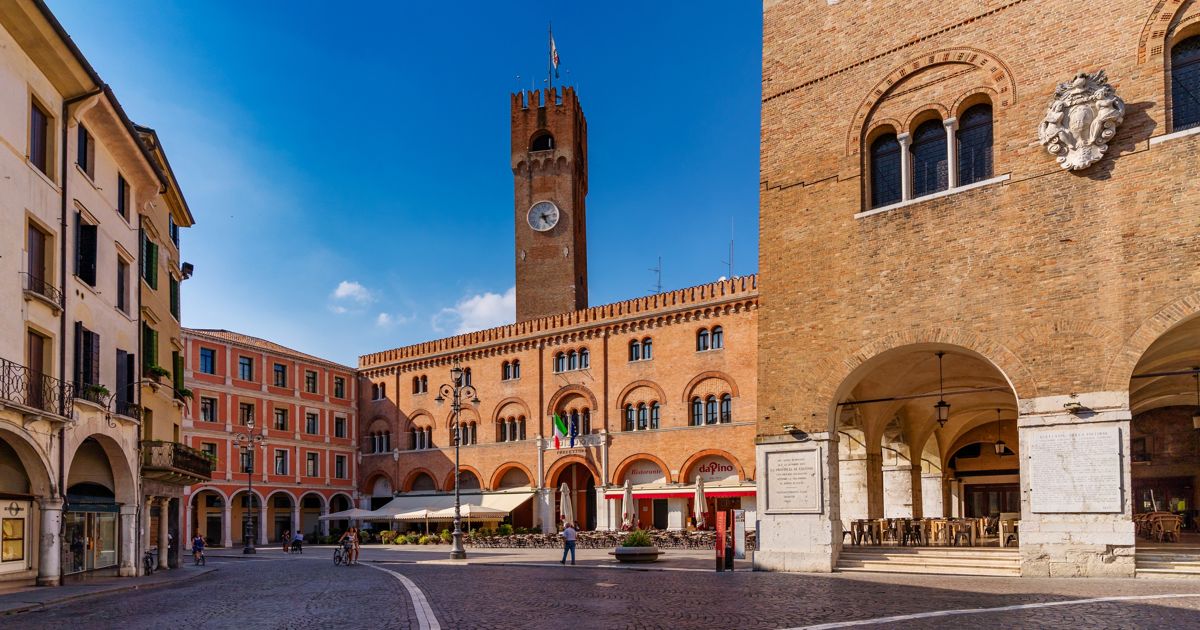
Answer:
(976, 611)
(425, 617)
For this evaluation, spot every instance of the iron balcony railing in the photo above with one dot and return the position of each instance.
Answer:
(23, 386)
(172, 461)
(128, 408)
(38, 285)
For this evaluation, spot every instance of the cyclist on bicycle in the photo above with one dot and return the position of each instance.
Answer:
(349, 542)
(198, 549)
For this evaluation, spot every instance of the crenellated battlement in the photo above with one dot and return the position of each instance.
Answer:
(537, 99)
(696, 296)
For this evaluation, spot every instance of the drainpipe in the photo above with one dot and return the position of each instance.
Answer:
(62, 282)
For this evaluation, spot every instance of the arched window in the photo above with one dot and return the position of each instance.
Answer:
(505, 371)
(702, 340)
(387, 441)
(573, 428)
(560, 362)
(726, 409)
(643, 417)
(474, 433)
(416, 384)
(466, 377)
(516, 369)
(585, 359)
(585, 423)
(885, 171)
(647, 349)
(635, 350)
(572, 360)
(710, 410)
(697, 412)
(655, 413)
(628, 417)
(718, 337)
(521, 427)
(383, 390)
(930, 172)
(542, 141)
(1185, 84)
(374, 391)
(974, 137)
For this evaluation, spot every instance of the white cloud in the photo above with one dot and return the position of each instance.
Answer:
(352, 291)
(387, 320)
(479, 311)
(340, 310)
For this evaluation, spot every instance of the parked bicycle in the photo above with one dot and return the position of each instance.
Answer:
(148, 561)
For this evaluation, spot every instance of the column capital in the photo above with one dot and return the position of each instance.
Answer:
(951, 123)
(904, 139)
(50, 503)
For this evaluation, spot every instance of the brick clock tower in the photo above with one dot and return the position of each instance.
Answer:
(549, 165)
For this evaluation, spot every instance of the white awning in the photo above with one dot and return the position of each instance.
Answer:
(416, 507)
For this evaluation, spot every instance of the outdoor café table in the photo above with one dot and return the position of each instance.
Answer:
(858, 531)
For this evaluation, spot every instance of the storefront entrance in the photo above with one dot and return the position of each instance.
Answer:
(89, 539)
(991, 500)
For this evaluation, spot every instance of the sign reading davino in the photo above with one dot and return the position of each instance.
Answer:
(714, 469)
(645, 471)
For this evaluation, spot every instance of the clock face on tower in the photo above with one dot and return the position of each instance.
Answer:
(543, 216)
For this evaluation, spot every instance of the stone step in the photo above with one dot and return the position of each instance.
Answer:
(1167, 574)
(931, 569)
(1177, 566)
(931, 562)
(1166, 557)
(1012, 554)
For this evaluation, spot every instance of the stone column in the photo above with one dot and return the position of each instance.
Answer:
(602, 506)
(906, 178)
(852, 481)
(227, 526)
(604, 456)
(296, 517)
(874, 483)
(800, 529)
(324, 524)
(676, 517)
(128, 564)
(262, 523)
(49, 561)
(186, 507)
(918, 494)
(164, 521)
(541, 462)
(951, 124)
(545, 510)
(931, 495)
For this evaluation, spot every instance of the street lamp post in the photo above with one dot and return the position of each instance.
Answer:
(246, 443)
(456, 391)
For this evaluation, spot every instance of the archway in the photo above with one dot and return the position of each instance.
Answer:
(246, 507)
(927, 433)
(23, 478)
(339, 503)
(91, 529)
(310, 513)
(642, 472)
(468, 480)
(280, 508)
(381, 491)
(208, 516)
(580, 479)
(420, 480)
(1164, 399)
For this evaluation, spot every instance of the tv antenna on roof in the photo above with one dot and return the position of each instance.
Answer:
(657, 277)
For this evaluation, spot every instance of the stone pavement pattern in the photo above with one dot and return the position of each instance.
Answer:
(276, 591)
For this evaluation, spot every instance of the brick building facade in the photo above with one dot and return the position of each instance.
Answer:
(306, 410)
(945, 255)
(659, 390)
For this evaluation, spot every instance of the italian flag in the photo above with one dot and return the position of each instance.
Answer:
(560, 430)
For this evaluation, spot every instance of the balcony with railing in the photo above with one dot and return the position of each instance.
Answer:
(175, 463)
(39, 288)
(35, 393)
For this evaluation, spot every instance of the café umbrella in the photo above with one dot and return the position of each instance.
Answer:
(627, 505)
(565, 509)
(701, 504)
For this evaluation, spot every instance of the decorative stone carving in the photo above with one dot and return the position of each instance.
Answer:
(1081, 119)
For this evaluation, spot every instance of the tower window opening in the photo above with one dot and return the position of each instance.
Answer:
(543, 141)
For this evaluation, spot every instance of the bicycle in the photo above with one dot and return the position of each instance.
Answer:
(148, 562)
(340, 557)
(199, 559)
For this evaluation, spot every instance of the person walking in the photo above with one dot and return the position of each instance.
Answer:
(287, 541)
(198, 549)
(569, 534)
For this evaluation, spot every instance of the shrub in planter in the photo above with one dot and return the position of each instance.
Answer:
(414, 539)
(637, 546)
(386, 536)
(445, 536)
(426, 540)
(637, 538)
(506, 530)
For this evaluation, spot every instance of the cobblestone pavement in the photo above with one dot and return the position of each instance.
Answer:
(275, 591)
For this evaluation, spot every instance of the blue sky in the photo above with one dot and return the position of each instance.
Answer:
(348, 163)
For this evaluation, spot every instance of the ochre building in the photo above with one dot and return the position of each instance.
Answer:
(979, 237)
(657, 391)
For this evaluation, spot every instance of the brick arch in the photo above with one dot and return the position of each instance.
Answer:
(563, 393)
(662, 395)
(369, 485)
(1159, 26)
(629, 461)
(387, 424)
(876, 129)
(323, 499)
(224, 497)
(503, 469)
(412, 476)
(971, 98)
(511, 400)
(998, 72)
(925, 113)
(703, 376)
(418, 414)
(837, 370)
(285, 492)
(686, 469)
(466, 414)
(1121, 369)
(449, 483)
(562, 463)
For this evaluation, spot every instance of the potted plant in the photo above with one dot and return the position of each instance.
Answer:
(183, 394)
(637, 546)
(96, 393)
(157, 373)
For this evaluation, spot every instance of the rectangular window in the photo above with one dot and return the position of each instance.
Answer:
(87, 152)
(122, 197)
(125, 369)
(208, 409)
(149, 261)
(281, 467)
(281, 420)
(149, 347)
(37, 243)
(339, 387)
(210, 448)
(208, 360)
(245, 413)
(246, 368)
(85, 250)
(248, 460)
(173, 228)
(339, 466)
(312, 425)
(122, 285)
(312, 466)
(339, 427)
(12, 539)
(87, 358)
(39, 138)
(174, 284)
(280, 375)
(310, 381)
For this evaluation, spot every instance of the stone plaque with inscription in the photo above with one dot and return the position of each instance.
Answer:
(793, 483)
(1075, 471)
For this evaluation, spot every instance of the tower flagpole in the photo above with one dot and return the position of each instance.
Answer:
(550, 54)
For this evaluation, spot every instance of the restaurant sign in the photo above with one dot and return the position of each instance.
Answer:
(645, 471)
(713, 469)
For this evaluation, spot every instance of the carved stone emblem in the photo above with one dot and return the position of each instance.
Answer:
(1081, 119)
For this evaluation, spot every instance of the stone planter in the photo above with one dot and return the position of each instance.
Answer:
(636, 554)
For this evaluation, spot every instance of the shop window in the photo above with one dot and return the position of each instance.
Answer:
(885, 171)
(1185, 84)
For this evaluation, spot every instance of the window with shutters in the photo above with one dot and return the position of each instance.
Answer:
(85, 250)
(123, 197)
(149, 261)
(174, 284)
(177, 370)
(149, 347)
(86, 157)
(37, 245)
(126, 367)
(122, 285)
(1185, 84)
(40, 139)
(87, 359)
(173, 230)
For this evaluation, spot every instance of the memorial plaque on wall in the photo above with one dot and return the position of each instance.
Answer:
(793, 481)
(1075, 471)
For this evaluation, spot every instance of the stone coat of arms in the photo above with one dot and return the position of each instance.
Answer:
(1081, 119)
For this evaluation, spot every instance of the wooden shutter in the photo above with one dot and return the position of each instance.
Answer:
(152, 261)
(177, 361)
(79, 330)
(85, 251)
(122, 381)
(94, 357)
(130, 370)
(82, 147)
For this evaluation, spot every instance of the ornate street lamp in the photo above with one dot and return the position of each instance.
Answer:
(456, 391)
(246, 443)
(942, 408)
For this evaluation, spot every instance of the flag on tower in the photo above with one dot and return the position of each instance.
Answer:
(553, 55)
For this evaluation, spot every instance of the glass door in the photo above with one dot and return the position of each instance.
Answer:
(104, 533)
